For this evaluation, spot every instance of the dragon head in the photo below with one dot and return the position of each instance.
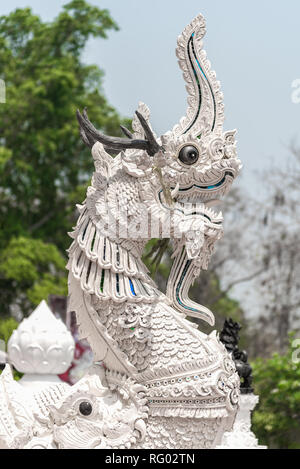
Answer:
(100, 412)
(196, 161)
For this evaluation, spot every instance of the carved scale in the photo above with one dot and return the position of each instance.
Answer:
(164, 383)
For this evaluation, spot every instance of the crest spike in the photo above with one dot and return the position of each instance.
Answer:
(205, 112)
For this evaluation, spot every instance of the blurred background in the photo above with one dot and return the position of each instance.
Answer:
(108, 55)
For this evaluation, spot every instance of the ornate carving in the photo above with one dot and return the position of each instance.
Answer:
(95, 415)
(24, 414)
(41, 345)
(103, 410)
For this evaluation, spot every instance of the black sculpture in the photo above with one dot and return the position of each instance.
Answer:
(230, 338)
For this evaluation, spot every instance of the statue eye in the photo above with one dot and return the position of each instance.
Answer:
(85, 408)
(188, 155)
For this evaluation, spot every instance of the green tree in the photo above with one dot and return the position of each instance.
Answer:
(44, 167)
(276, 420)
(7, 326)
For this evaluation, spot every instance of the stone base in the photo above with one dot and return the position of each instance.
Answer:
(241, 436)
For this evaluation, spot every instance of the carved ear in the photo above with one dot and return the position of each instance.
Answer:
(16, 410)
(102, 159)
(136, 124)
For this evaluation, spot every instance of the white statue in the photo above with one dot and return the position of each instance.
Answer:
(164, 383)
(41, 348)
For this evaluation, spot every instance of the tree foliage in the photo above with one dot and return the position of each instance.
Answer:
(276, 420)
(44, 167)
(279, 251)
(7, 326)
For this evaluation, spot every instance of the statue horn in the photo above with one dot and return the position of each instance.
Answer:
(90, 135)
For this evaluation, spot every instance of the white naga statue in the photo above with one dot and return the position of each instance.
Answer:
(162, 383)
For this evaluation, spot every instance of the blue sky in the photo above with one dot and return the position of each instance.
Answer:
(254, 47)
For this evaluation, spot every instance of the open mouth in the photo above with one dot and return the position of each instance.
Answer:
(209, 187)
(193, 200)
(190, 207)
(202, 209)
